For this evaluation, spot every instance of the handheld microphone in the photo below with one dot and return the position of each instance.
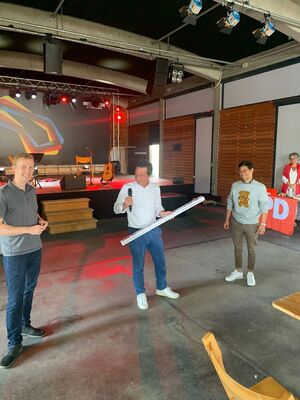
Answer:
(130, 194)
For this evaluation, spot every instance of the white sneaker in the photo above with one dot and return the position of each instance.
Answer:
(167, 292)
(234, 275)
(250, 279)
(142, 302)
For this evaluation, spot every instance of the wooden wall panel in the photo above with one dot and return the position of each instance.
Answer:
(182, 162)
(246, 133)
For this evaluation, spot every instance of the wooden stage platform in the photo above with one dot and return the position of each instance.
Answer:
(102, 197)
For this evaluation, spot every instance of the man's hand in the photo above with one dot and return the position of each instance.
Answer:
(261, 229)
(226, 224)
(43, 223)
(165, 213)
(35, 229)
(127, 202)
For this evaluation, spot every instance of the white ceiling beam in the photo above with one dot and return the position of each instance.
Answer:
(33, 62)
(30, 20)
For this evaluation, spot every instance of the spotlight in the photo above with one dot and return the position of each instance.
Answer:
(189, 13)
(73, 99)
(261, 35)
(33, 94)
(51, 99)
(107, 103)
(65, 99)
(120, 115)
(18, 93)
(95, 102)
(176, 73)
(226, 24)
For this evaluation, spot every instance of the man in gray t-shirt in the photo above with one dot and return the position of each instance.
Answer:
(247, 203)
(20, 230)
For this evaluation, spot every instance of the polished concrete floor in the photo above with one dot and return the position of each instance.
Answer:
(100, 346)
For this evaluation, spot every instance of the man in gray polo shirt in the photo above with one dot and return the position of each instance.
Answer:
(20, 230)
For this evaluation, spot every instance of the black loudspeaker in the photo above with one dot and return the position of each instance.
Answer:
(53, 57)
(156, 86)
(70, 182)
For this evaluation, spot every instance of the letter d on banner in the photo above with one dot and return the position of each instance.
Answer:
(280, 209)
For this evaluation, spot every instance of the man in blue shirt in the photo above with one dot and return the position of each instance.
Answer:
(142, 202)
(247, 203)
(20, 230)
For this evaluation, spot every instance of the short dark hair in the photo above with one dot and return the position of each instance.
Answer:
(246, 163)
(145, 164)
(294, 155)
(27, 156)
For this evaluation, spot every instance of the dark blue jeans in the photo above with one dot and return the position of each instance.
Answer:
(151, 241)
(21, 278)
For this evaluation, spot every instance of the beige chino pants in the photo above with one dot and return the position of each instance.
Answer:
(239, 231)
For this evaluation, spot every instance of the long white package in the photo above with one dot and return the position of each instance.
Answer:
(162, 220)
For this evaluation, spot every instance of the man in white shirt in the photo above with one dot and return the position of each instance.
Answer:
(141, 201)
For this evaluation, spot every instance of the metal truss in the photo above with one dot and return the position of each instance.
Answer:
(57, 87)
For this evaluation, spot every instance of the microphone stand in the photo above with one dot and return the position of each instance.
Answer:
(91, 166)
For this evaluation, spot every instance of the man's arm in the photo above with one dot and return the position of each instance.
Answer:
(42, 222)
(9, 230)
(123, 201)
(227, 219)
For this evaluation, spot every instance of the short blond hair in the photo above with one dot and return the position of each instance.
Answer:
(28, 156)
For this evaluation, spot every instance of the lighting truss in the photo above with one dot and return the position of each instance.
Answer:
(51, 86)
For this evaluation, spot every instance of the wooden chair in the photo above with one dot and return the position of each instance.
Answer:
(267, 389)
(87, 161)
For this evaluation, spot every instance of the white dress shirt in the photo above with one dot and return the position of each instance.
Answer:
(146, 204)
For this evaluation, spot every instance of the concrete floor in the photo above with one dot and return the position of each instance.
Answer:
(100, 346)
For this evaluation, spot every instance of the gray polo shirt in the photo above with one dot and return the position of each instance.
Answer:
(19, 208)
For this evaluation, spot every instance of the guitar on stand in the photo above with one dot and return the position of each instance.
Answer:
(108, 172)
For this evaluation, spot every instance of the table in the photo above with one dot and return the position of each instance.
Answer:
(282, 214)
(289, 304)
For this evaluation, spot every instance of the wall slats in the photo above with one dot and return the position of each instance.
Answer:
(179, 131)
(246, 133)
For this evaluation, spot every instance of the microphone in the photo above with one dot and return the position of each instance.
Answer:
(130, 194)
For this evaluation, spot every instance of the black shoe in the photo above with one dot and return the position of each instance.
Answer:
(33, 332)
(8, 360)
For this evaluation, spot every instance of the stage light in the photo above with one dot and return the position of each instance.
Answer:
(189, 13)
(176, 73)
(30, 95)
(17, 93)
(226, 24)
(95, 102)
(65, 99)
(51, 99)
(73, 99)
(261, 35)
(120, 115)
(107, 103)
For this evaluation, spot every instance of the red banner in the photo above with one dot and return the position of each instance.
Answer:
(282, 214)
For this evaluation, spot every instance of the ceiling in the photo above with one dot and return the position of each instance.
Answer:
(114, 44)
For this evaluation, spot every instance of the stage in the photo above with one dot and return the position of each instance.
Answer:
(103, 196)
